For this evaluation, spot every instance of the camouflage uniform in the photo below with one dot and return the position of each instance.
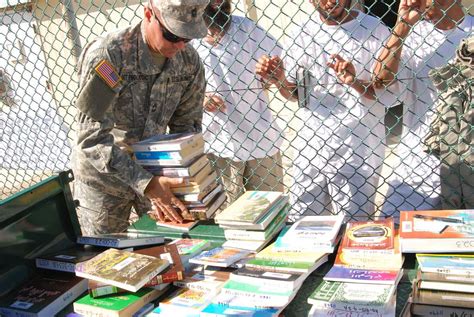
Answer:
(450, 137)
(147, 99)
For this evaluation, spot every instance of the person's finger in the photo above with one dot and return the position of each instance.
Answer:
(182, 209)
(172, 214)
(158, 212)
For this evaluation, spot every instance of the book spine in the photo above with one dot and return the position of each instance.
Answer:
(8, 312)
(110, 243)
(445, 245)
(199, 215)
(168, 277)
(348, 306)
(55, 265)
(104, 290)
(467, 273)
(442, 276)
(245, 235)
(265, 282)
(155, 155)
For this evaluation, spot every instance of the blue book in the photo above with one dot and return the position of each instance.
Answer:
(157, 155)
(214, 309)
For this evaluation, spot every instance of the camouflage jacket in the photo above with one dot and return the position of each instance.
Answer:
(144, 100)
(450, 137)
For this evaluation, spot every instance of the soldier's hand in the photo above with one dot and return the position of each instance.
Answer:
(345, 70)
(162, 199)
(270, 69)
(214, 103)
(410, 11)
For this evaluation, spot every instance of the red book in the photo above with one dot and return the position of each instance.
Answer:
(175, 272)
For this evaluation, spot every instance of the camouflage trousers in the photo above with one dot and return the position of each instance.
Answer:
(239, 176)
(100, 212)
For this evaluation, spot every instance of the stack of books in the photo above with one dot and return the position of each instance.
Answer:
(182, 156)
(365, 274)
(437, 231)
(189, 248)
(253, 219)
(444, 285)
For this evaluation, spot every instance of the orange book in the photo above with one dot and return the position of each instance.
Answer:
(435, 224)
(363, 236)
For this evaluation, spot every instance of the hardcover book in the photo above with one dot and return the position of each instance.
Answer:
(121, 240)
(219, 257)
(124, 269)
(250, 207)
(124, 305)
(66, 260)
(43, 295)
(369, 236)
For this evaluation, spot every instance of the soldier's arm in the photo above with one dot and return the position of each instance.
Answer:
(188, 114)
(96, 121)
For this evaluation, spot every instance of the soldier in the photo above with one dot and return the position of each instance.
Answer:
(135, 83)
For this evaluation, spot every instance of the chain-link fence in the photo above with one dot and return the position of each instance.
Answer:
(331, 145)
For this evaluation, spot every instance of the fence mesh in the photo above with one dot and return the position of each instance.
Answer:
(330, 147)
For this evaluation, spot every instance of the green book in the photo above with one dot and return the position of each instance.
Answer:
(284, 266)
(115, 306)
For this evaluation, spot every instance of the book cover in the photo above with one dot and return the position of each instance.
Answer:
(210, 283)
(200, 197)
(190, 246)
(253, 245)
(249, 207)
(219, 257)
(456, 264)
(124, 305)
(270, 295)
(369, 236)
(174, 272)
(204, 201)
(358, 297)
(124, 269)
(270, 253)
(170, 142)
(121, 240)
(66, 260)
(185, 301)
(367, 276)
(43, 295)
(215, 309)
(284, 281)
(437, 224)
(148, 159)
(286, 265)
(323, 229)
(185, 226)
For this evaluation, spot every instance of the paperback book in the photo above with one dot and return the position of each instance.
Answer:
(369, 237)
(219, 257)
(185, 226)
(170, 142)
(180, 171)
(124, 269)
(121, 240)
(323, 229)
(284, 281)
(66, 260)
(367, 276)
(449, 264)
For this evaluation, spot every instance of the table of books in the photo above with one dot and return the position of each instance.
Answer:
(299, 306)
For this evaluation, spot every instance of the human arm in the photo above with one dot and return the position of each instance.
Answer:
(271, 70)
(388, 62)
(346, 73)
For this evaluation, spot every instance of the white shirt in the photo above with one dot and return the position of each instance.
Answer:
(348, 127)
(427, 48)
(247, 129)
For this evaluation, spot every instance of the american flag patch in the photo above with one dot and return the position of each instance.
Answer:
(107, 72)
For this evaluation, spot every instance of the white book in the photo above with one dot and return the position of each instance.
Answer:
(169, 142)
(254, 246)
(222, 257)
(323, 229)
(447, 286)
(448, 245)
(120, 240)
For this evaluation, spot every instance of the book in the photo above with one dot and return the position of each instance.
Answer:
(121, 240)
(446, 277)
(270, 295)
(198, 178)
(170, 142)
(144, 310)
(435, 297)
(124, 305)
(264, 222)
(258, 235)
(185, 302)
(352, 296)
(185, 226)
(437, 231)
(197, 187)
(151, 159)
(199, 197)
(192, 200)
(215, 309)
(369, 237)
(286, 265)
(206, 212)
(253, 245)
(124, 269)
(283, 281)
(190, 246)
(219, 257)
(440, 311)
(210, 283)
(449, 264)
(66, 260)
(270, 253)
(249, 208)
(43, 295)
(308, 229)
(367, 276)
(447, 286)
(180, 171)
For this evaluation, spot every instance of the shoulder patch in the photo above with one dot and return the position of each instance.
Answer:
(107, 72)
